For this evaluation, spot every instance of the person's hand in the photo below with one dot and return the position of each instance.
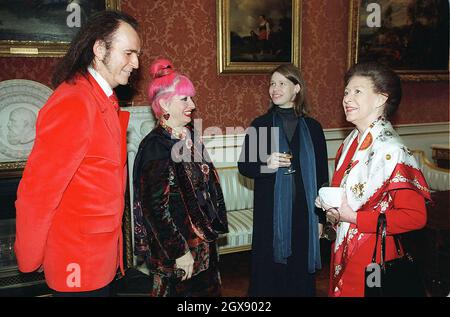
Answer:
(343, 213)
(333, 215)
(186, 263)
(346, 212)
(320, 230)
(318, 202)
(277, 160)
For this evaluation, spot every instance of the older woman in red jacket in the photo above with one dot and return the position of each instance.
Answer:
(378, 174)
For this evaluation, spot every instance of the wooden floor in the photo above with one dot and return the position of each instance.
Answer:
(432, 263)
(235, 272)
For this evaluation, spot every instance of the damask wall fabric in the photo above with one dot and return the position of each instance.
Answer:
(185, 31)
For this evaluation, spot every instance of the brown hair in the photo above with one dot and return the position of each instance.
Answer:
(292, 73)
(100, 26)
(384, 80)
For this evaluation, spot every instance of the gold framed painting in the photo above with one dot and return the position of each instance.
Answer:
(411, 37)
(255, 36)
(44, 28)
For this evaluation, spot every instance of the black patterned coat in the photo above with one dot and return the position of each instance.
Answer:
(178, 208)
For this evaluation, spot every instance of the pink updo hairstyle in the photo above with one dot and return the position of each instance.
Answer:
(165, 84)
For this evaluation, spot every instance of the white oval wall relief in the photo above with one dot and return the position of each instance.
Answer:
(20, 102)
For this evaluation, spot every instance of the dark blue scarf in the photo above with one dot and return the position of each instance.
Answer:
(283, 197)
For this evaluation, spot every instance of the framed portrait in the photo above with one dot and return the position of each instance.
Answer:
(411, 36)
(44, 28)
(255, 36)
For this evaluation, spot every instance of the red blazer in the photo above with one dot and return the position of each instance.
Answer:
(70, 200)
(409, 214)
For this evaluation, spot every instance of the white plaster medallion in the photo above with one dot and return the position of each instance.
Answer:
(20, 102)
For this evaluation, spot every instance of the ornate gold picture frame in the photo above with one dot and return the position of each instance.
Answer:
(44, 28)
(256, 36)
(410, 37)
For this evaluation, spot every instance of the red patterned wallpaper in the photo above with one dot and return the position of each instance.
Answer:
(185, 31)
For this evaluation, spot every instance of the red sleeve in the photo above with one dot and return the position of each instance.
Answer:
(408, 213)
(62, 138)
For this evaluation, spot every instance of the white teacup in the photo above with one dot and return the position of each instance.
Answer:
(332, 196)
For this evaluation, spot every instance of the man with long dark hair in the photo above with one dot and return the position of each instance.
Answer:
(71, 197)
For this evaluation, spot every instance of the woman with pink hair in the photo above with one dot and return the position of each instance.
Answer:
(179, 210)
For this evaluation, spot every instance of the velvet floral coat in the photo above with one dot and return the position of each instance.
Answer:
(178, 201)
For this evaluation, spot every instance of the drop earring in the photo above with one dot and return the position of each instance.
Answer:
(166, 116)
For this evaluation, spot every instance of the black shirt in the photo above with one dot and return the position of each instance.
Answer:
(289, 119)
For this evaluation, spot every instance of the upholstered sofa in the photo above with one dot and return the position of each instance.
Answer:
(238, 195)
(437, 178)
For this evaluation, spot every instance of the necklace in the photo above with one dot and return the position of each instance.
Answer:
(179, 135)
(197, 154)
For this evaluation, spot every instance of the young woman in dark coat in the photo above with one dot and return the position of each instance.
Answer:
(286, 225)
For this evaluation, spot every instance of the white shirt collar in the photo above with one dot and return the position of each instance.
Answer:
(101, 81)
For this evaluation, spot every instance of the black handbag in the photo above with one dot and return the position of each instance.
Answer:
(396, 278)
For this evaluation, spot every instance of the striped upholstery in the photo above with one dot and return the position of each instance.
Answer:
(237, 189)
(238, 195)
(239, 237)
